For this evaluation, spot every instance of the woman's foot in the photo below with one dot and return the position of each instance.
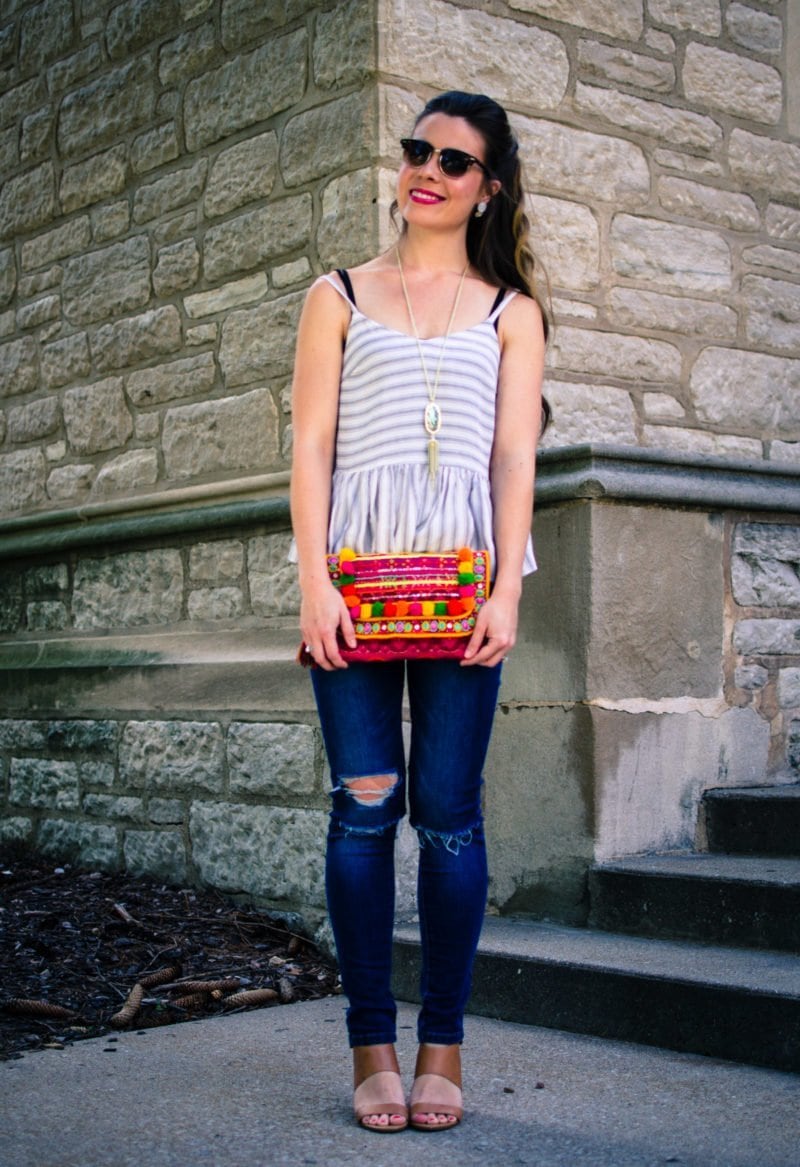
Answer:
(378, 1098)
(436, 1103)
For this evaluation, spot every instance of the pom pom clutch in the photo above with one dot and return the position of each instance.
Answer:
(419, 606)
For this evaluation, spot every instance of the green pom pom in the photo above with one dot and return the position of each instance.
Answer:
(466, 577)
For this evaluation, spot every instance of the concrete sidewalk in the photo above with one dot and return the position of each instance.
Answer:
(271, 1088)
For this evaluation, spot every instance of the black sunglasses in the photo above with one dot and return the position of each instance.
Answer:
(452, 163)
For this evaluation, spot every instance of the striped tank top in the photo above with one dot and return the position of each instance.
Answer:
(382, 497)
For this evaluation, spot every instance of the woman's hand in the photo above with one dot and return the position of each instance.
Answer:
(495, 630)
(323, 617)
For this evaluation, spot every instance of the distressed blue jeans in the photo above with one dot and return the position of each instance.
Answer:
(452, 709)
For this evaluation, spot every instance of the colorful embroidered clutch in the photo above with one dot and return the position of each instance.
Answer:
(421, 606)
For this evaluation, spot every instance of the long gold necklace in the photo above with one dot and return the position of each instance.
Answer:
(432, 415)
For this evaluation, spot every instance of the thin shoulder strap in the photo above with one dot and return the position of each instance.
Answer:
(344, 276)
(500, 302)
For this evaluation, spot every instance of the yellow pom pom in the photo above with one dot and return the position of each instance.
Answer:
(428, 608)
(346, 555)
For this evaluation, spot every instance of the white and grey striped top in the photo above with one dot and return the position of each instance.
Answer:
(382, 497)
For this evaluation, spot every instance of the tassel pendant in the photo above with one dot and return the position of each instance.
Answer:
(433, 459)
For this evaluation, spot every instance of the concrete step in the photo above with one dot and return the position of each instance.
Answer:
(754, 820)
(717, 899)
(738, 1004)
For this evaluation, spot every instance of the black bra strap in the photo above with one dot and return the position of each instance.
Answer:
(344, 276)
(498, 300)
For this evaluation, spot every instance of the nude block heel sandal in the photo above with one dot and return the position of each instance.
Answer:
(378, 1066)
(436, 1062)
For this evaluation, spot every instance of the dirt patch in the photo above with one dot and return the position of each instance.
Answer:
(75, 944)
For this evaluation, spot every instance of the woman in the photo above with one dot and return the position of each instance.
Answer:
(417, 406)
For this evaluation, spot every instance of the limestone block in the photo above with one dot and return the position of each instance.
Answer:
(165, 811)
(245, 90)
(250, 21)
(754, 29)
(765, 565)
(22, 479)
(733, 83)
(567, 241)
(16, 102)
(348, 229)
(106, 282)
(696, 441)
(134, 23)
(776, 257)
(107, 108)
(233, 295)
(177, 268)
(784, 451)
(274, 590)
(765, 164)
(343, 135)
(26, 423)
(172, 756)
(97, 417)
(15, 832)
(269, 852)
(182, 378)
(123, 591)
(684, 258)
(734, 389)
(618, 18)
(457, 48)
(172, 190)
(694, 200)
(36, 136)
(63, 74)
(254, 237)
(201, 334)
(90, 736)
(154, 147)
(789, 688)
(687, 163)
(8, 276)
(212, 562)
(66, 482)
(98, 178)
(783, 222)
(39, 312)
(147, 426)
(128, 472)
(592, 167)
(344, 51)
(259, 342)
(43, 782)
(33, 283)
(159, 854)
(137, 339)
(43, 581)
(772, 313)
(17, 366)
(612, 354)
(688, 15)
(662, 407)
(46, 31)
(271, 760)
(67, 239)
(291, 273)
(109, 806)
(46, 616)
(28, 201)
(652, 768)
(21, 735)
(215, 604)
(110, 221)
(90, 845)
(189, 55)
(681, 127)
(590, 413)
(242, 174)
(613, 63)
(751, 678)
(232, 433)
(638, 308)
(11, 611)
(767, 637)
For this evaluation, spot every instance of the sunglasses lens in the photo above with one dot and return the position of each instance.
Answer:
(415, 151)
(454, 163)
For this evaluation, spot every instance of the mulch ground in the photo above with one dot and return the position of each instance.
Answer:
(86, 953)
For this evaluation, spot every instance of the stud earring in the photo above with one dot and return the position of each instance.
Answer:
(481, 208)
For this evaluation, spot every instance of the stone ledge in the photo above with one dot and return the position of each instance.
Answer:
(629, 474)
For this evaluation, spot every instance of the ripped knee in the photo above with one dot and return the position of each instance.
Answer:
(371, 789)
